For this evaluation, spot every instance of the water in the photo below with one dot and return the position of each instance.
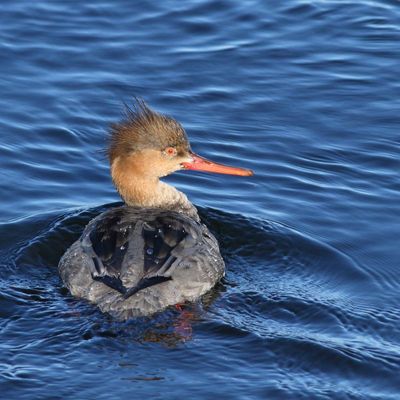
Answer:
(305, 93)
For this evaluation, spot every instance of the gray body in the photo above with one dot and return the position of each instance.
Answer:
(134, 262)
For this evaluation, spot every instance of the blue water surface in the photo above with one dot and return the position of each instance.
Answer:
(305, 93)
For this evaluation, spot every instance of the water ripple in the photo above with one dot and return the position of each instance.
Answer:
(304, 93)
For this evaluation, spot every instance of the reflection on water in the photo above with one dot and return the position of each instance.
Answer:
(304, 93)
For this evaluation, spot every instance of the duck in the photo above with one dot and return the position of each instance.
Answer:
(152, 252)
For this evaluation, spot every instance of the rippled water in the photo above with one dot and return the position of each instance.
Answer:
(305, 93)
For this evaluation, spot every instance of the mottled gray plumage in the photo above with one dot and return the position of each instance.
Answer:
(154, 252)
(134, 262)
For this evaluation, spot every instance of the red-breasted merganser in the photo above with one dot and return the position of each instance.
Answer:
(153, 252)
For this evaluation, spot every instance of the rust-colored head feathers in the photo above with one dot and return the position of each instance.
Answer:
(147, 146)
(144, 129)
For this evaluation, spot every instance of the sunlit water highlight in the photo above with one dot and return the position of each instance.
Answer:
(304, 93)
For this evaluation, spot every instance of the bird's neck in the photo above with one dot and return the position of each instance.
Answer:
(146, 191)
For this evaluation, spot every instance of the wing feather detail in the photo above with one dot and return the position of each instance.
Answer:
(134, 249)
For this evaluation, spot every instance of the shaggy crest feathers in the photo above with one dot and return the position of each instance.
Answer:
(144, 128)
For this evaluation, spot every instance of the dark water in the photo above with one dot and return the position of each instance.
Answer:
(305, 93)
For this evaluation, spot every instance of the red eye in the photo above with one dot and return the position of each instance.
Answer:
(171, 151)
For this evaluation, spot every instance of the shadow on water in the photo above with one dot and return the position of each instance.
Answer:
(271, 271)
(304, 93)
(286, 296)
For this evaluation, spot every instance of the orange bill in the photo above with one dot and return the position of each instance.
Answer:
(202, 164)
